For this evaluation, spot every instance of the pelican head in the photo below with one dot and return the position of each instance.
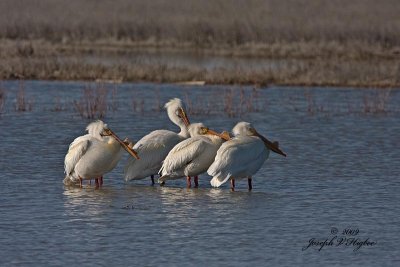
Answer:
(97, 129)
(243, 128)
(196, 129)
(200, 129)
(246, 129)
(176, 112)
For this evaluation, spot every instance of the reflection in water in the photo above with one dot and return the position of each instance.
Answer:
(199, 206)
(177, 205)
(87, 204)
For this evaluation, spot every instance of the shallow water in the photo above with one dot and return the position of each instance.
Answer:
(341, 172)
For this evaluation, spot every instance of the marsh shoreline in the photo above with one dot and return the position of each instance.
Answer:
(338, 43)
(300, 64)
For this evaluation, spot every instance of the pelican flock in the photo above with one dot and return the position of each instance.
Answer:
(193, 151)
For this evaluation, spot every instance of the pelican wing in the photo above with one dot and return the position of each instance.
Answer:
(234, 157)
(182, 154)
(152, 150)
(75, 152)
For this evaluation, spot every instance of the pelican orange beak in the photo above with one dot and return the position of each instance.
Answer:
(271, 145)
(183, 116)
(224, 135)
(132, 152)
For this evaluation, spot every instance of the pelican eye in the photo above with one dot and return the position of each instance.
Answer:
(203, 130)
(252, 130)
(106, 132)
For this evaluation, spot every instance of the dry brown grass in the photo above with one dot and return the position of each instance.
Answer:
(202, 23)
(373, 72)
(23, 102)
(232, 102)
(377, 102)
(93, 102)
(2, 100)
(98, 100)
(59, 105)
(337, 43)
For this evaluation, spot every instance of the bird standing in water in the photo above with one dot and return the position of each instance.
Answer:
(154, 147)
(242, 156)
(192, 156)
(92, 155)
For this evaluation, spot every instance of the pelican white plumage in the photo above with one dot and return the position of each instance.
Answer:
(242, 156)
(92, 155)
(154, 147)
(192, 156)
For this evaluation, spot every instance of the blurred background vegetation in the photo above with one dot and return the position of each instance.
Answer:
(336, 40)
(203, 23)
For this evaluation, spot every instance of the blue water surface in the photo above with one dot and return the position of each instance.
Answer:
(342, 172)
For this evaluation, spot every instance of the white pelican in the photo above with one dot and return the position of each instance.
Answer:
(242, 156)
(192, 156)
(154, 147)
(94, 154)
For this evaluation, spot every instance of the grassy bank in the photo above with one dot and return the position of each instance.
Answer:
(44, 60)
(337, 43)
